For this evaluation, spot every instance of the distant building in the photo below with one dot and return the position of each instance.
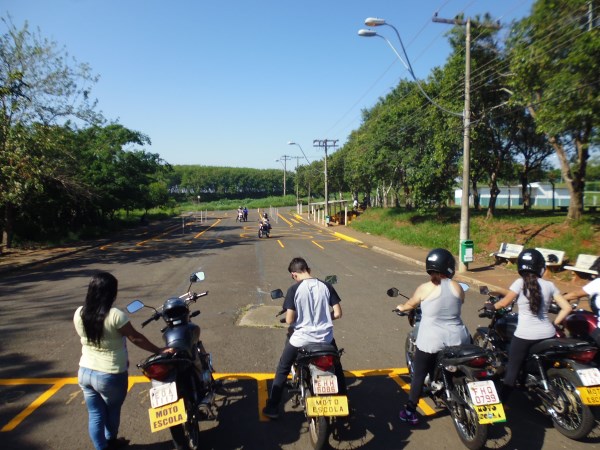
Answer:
(541, 195)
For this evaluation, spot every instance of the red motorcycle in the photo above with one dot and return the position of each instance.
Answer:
(583, 324)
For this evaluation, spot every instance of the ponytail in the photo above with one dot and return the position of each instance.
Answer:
(532, 290)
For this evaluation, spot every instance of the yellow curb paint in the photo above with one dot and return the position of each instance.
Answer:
(347, 238)
(263, 395)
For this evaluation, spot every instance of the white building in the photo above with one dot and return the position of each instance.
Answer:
(541, 195)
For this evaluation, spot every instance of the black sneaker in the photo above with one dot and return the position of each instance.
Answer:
(272, 412)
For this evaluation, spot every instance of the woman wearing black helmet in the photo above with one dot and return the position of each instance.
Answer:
(440, 300)
(534, 296)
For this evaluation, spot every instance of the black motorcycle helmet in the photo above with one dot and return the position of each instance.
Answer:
(531, 260)
(440, 260)
(175, 311)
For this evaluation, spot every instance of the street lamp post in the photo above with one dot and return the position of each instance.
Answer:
(325, 144)
(464, 210)
(283, 161)
(307, 161)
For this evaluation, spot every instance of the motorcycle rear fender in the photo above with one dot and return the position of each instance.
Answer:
(315, 371)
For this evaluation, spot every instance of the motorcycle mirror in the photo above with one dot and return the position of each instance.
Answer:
(195, 277)
(465, 287)
(393, 292)
(277, 293)
(483, 290)
(135, 306)
(331, 279)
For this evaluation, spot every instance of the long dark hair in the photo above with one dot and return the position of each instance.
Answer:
(436, 277)
(532, 290)
(101, 294)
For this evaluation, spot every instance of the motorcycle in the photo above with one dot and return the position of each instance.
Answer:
(314, 385)
(264, 229)
(583, 324)
(558, 372)
(183, 388)
(240, 216)
(462, 382)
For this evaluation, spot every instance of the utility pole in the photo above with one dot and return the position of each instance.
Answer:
(464, 204)
(325, 144)
(284, 159)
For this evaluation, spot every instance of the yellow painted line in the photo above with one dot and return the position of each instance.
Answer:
(322, 248)
(422, 404)
(202, 232)
(347, 238)
(286, 221)
(263, 395)
(280, 243)
(32, 407)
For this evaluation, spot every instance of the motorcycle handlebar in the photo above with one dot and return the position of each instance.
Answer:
(147, 321)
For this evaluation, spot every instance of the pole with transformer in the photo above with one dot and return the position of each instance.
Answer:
(464, 204)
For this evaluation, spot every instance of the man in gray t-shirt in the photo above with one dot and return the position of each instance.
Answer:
(311, 307)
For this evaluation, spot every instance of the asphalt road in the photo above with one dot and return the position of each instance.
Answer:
(41, 406)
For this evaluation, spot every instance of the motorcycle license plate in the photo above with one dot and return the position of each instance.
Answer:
(163, 394)
(167, 416)
(589, 377)
(325, 384)
(589, 395)
(329, 405)
(483, 393)
(490, 413)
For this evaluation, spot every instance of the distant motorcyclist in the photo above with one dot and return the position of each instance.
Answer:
(245, 214)
(240, 214)
(264, 220)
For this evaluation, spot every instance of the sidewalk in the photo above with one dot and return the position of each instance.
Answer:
(496, 278)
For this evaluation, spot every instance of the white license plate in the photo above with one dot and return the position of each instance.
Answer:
(325, 384)
(163, 395)
(589, 377)
(483, 392)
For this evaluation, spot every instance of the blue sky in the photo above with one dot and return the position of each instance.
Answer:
(230, 82)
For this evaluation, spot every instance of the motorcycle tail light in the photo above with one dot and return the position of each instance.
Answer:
(323, 362)
(158, 371)
(480, 361)
(584, 357)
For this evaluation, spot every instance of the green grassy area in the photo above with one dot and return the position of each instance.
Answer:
(534, 229)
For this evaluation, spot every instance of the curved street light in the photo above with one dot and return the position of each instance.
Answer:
(307, 161)
(464, 207)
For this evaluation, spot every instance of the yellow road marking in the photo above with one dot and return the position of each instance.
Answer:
(261, 379)
(322, 248)
(280, 243)
(202, 232)
(286, 221)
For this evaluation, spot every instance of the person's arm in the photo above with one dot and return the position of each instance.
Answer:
(337, 312)
(290, 316)
(412, 302)
(565, 308)
(506, 300)
(575, 295)
(137, 338)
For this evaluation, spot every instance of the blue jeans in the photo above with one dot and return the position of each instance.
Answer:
(104, 394)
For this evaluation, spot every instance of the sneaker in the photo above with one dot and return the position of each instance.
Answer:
(270, 411)
(117, 443)
(409, 417)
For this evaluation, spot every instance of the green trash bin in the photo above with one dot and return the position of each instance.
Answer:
(467, 250)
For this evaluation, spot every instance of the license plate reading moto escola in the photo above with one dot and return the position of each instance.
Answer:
(325, 384)
(329, 405)
(167, 416)
(163, 395)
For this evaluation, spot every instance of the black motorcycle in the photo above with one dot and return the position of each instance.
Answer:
(183, 388)
(558, 372)
(462, 382)
(314, 385)
(264, 229)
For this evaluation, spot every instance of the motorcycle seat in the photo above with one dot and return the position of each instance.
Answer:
(462, 353)
(318, 349)
(558, 344)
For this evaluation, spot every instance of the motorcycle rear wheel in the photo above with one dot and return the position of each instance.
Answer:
(318, 427)
(573, 419)
(472, 434)
(187, 435)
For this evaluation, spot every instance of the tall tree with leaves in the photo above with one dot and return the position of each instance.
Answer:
(555, 59)
(39, 84)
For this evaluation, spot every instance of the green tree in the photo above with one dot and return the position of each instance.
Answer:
(39, 84)
(555, 61)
